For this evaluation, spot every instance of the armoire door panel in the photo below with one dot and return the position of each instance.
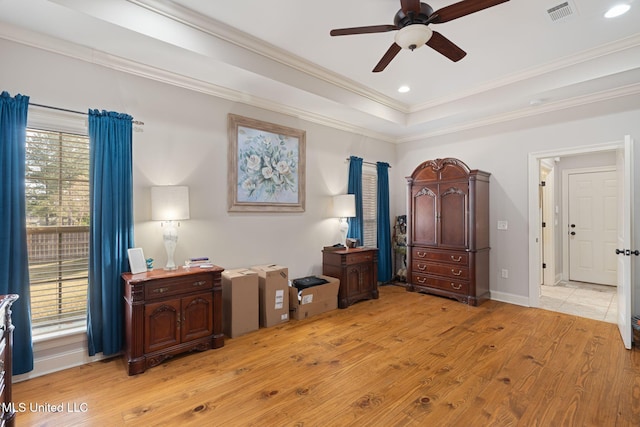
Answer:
(454, 208)
(424, 213)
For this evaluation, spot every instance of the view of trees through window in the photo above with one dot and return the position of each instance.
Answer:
(57, 201)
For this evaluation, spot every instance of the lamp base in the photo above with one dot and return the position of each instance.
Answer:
(344, 228)
(170, 237)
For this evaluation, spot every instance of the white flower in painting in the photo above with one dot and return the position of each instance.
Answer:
(282, 167)
(249, 185)
(253, 162)
(267, 172)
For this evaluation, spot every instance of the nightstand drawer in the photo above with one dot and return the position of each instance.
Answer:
(357, 258)
(179, 285)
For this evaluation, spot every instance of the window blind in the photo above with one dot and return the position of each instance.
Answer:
(369, 207)
(57, 201)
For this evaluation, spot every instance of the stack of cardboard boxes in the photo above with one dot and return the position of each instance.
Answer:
(261, 297)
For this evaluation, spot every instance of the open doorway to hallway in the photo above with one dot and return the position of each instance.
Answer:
(578, 235)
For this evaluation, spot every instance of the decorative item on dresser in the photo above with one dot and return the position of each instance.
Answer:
(357, 269)
(448, 231)
(8, 416)
(171, 312)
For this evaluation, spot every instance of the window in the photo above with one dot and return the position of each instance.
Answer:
(57, 204)
(369, 207)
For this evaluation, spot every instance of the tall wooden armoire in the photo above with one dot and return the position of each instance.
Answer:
(448, 231)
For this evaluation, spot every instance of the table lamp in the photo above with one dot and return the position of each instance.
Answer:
(170, 204)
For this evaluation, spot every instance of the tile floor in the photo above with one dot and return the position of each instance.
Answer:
(589, 300)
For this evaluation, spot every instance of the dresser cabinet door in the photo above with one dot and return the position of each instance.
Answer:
(161, 325)
(197, 317)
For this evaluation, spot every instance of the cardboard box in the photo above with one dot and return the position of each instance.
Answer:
(273, 283)
(314, 300)
(239, 302)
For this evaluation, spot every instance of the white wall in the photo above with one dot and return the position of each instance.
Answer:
(503, 150)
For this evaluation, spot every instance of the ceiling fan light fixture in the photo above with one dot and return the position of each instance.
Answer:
(413, 36)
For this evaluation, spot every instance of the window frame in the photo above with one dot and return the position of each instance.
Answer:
(45, 119)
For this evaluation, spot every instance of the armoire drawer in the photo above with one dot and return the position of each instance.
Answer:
(458, 287)
(456, 272)
(451, 257)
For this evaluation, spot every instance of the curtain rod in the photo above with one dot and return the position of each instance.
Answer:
(367, 163)
(135, 122)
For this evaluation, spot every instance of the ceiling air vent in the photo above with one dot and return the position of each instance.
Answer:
(562, 11)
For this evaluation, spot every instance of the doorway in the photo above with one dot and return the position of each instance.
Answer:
(616, 149)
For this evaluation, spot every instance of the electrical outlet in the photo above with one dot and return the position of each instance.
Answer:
(505, 273)
(503, 225)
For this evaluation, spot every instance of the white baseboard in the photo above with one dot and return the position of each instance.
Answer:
(510, 298)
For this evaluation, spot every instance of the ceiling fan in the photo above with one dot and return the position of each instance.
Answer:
(412, 22)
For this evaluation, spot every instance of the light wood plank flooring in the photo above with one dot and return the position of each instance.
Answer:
(405, 359)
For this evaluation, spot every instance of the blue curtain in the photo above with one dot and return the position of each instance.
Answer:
(354, 186)
(111, 227)
(14, 261)
(385, 269)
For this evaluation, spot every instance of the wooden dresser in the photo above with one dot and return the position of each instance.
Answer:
(357, 269)
(171, 312)
(6, 346)
(448, 231)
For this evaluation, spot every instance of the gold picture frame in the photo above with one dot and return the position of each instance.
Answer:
(266, 166)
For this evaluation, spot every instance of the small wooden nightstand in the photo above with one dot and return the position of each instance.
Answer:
(171, 312)
(357, 269)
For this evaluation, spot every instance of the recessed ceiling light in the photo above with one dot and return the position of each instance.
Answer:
(404, 89)
(617, 10)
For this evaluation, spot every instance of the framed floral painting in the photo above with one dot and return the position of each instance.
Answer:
(266, 166)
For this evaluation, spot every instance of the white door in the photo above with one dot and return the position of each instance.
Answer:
(593, 227)
(625, 225)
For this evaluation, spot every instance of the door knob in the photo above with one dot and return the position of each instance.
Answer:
(573, 233)
(619, 251)
(573, 226)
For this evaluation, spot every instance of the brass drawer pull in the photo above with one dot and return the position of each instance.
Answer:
(453, 285)
(160, 290)
(456, 259)
(421, 280)
(422, 254)
(200, 283)
(422, 267)
(456, 274)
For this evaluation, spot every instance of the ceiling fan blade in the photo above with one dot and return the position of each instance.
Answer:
(446, 47)
(363, 30)
(460, 9)
(387, 58)
(410, 6)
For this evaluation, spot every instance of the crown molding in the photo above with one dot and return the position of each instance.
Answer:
(72, 50)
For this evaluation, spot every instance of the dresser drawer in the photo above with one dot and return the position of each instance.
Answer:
(451, 257)
(456, 272)
(179, 285)
(458, 287)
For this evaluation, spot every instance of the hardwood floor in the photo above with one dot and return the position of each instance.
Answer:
(404, 359)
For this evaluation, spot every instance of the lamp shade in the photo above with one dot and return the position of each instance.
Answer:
(169, 203)
(344, 206)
